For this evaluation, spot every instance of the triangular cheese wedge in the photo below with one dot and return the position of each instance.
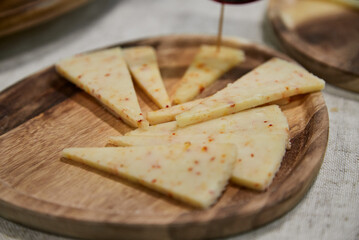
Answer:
(262, 119)
(193, 173)
(169, 114)
(207, 66)
(105, 76)
(142, 62)
(273, 80)
(259, 155)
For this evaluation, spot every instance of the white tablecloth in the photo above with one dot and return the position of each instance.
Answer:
(330, 210)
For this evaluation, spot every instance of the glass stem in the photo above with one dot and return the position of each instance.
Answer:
(220, 26)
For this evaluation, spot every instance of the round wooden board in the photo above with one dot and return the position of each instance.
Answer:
(323, 38)
(16, 15)
(40, 190)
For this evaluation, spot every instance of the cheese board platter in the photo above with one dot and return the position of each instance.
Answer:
(44, 113)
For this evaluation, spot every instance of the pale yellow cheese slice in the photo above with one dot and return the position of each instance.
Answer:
(193, 173)
(105, 76)
(207, 66)
(142, 62)
(169, 114)
(259, 154)
(263, 119)
(273, 80)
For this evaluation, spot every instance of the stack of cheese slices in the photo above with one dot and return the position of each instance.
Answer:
(192, 149)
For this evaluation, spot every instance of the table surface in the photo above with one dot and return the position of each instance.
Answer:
(330, 210)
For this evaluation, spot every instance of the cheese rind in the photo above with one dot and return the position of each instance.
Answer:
(207, 66)
(104, 75)
(142, 62)
(193, 173)
(262, 119)
(273, 80)
(259, 154)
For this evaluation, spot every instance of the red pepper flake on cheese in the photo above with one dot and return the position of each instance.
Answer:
(204, 149)
(156, 166)
(298, 73)
(200, 65)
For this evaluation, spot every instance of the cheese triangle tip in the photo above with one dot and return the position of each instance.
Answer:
(142, 62)
(208, 65)
(104, 75)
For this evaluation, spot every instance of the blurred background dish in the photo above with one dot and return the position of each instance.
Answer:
(16, 15)
(322, 35)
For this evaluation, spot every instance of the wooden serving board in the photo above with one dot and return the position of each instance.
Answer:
(322, 35)
(16, 15)
(44, 113)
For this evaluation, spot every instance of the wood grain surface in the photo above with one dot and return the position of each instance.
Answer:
(44, 113)
(16, 15)
(326, 43)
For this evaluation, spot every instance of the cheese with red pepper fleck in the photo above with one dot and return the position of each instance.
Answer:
(169, 114)
(273, 80)
(193, 173)
(207, 66)
(259, 154)
(256, 119)
(104, 75)
(142, 62)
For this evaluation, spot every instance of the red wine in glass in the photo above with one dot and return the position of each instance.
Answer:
(219, 35)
